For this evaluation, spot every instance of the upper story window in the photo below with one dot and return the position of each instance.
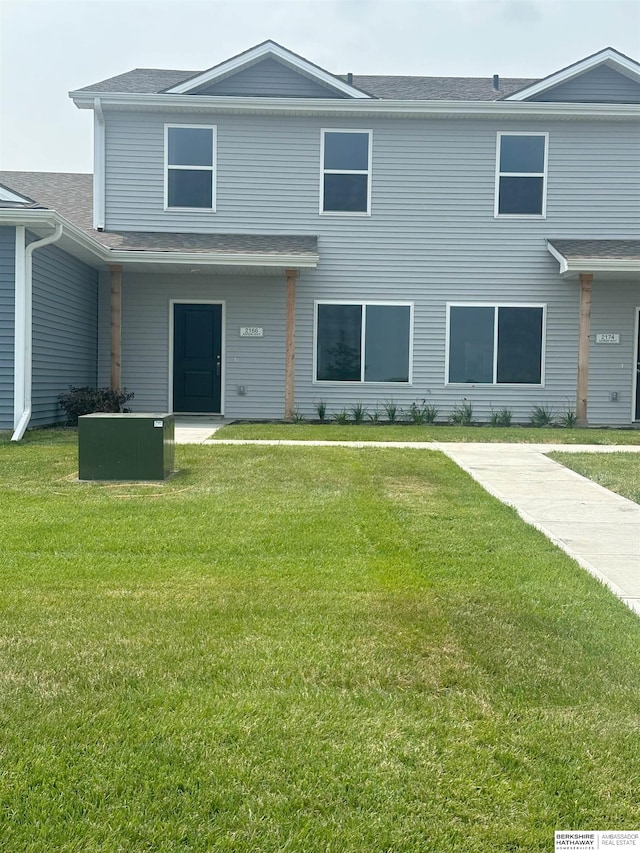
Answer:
(521, 174)
(363, 342)
(495, 344)
(190, 167)
(346, 172)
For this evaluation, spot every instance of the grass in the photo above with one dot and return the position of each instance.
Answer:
(396, 432)
(283, 649)
(619, 472)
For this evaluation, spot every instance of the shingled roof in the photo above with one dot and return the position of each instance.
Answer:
(576, 250)
(71, 195)
(148, 81)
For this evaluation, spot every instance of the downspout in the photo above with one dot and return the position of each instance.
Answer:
(98, 165)
(24, 325)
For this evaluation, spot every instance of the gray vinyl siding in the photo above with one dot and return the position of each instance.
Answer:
(426, 175)
(431, 239)
(7, 324)
(269, 78)
(602, 85)
(64, 330)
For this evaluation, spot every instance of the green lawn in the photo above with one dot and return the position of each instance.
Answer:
(290, 649)
(619, 472)
(398, 432)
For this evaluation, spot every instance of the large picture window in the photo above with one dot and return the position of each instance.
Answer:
(190, 167)
(346, 171)
(363, 342)
(521, 174)
(496, 344)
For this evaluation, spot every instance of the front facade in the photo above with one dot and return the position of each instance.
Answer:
(265, 237)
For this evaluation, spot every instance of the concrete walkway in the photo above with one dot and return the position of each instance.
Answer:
(597, 528)
(196, 430)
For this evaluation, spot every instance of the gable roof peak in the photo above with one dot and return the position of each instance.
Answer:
(607, 56)
(265, 49)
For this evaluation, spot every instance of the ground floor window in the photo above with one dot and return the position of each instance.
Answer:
(495, 344)
(363, 342)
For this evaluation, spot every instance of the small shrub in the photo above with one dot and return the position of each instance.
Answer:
(501, 418)
(358, 413)
(341, 417)
(463, 414)
(415, 413)
(391, 411)
(568, 419)
(321, 409)
(298, 417)
(431, 413)
(542, 416)
(374, 417)
(87, 401)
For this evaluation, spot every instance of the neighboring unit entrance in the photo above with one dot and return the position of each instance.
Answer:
(637, 411)
(197, 358)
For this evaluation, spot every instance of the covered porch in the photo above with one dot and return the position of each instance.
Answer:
(609, 270)
(204, 320)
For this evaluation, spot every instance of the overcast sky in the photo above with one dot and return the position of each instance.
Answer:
(48, 47)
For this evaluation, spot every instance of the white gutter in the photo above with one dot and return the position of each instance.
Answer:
(35, 218)
(245, 259)
(355, 107)
(24, 325)
(99, 166)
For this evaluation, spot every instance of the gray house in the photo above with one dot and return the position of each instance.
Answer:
(265, 234)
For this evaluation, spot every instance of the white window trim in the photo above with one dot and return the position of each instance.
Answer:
(494, 383)
(499, 174)
(212, 168)
(362, 303)
(367, 172)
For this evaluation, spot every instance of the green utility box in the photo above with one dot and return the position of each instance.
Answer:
(125, 447)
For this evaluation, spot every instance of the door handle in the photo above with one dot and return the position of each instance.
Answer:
(218, 359)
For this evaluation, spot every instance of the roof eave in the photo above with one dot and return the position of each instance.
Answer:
(331, 106)
(245, 259)
(46, 218)
(571, 267)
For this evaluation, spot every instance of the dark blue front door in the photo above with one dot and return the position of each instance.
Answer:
(197, 358)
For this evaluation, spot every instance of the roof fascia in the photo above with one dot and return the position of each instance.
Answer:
(608, 57)
(370, 107)
(245, 259)
(262, 51)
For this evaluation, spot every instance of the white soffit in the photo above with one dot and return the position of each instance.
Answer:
(262, 51)
(608, 56)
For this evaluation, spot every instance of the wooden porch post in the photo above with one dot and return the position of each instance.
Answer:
(290, 350)
(584, 330)
(116, 324)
